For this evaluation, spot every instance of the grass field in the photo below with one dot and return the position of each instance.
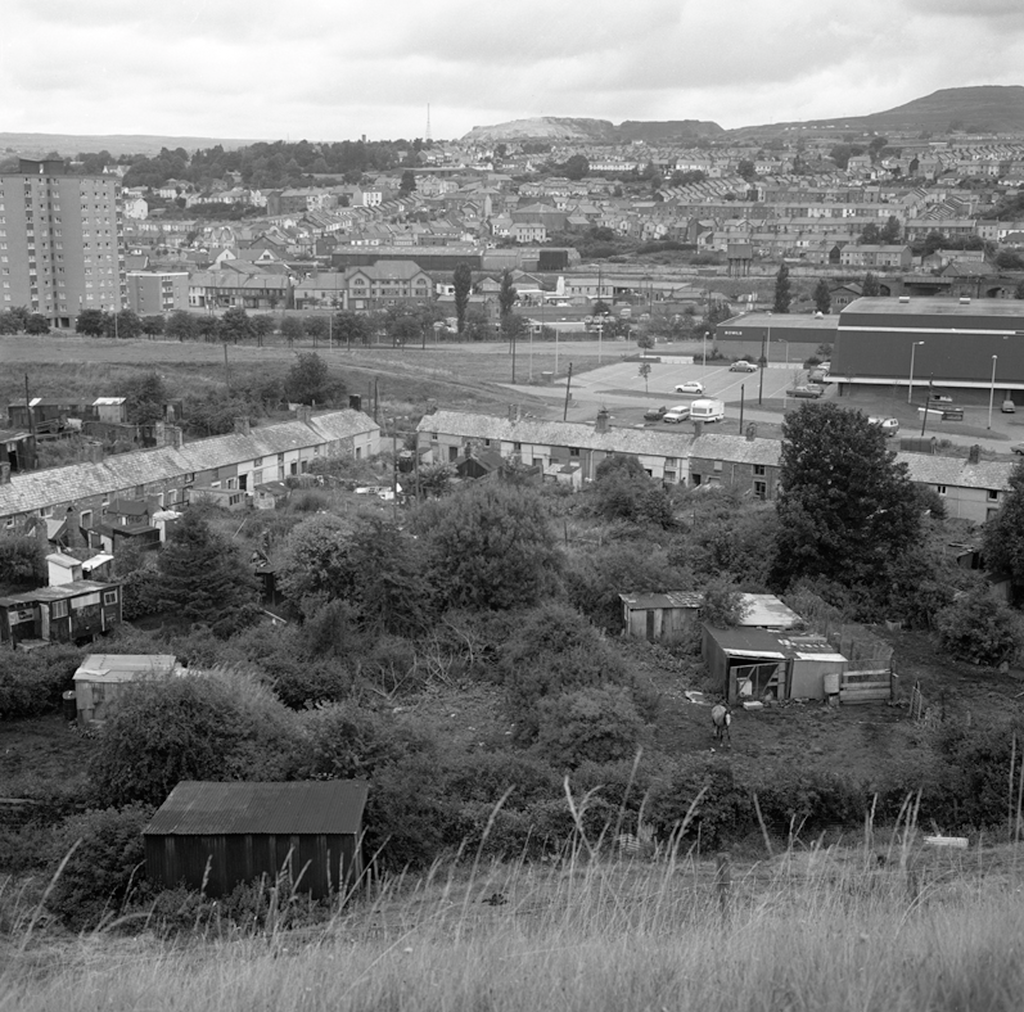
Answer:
(820, 929)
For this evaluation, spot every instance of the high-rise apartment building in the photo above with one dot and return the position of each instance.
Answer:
(60, 242)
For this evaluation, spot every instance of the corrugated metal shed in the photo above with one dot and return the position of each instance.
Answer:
(670, 599)
(196, 808)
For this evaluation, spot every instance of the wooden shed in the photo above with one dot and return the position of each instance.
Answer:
(757, 663)
(225, 834)
(666, 617)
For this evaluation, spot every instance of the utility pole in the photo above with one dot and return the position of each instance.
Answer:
(568, 386)
(227, 369)
(743, 387)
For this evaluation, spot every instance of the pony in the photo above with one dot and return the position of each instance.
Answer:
(721, 717)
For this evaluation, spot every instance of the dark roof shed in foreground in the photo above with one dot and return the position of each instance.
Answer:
(193, 808)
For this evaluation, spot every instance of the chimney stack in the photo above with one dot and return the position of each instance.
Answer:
(514, 413)
(698, 426)
(602, 421)
(5, 473)
(304, 413)
(242, 427)
(751, 432)
(974, 454)
(175, 436)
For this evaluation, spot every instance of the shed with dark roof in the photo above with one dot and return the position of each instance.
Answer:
(215, 836)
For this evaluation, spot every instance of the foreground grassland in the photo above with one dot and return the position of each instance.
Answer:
(874, 929)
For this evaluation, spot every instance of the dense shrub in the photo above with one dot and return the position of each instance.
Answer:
(31, 683)
(555, 650)
(598, 723)
(102, 871)
(220, 726)
(981, 629)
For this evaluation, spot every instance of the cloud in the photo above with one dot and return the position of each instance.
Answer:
(329, 71)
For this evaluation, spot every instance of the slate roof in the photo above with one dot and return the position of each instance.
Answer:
(193, 808)
(736, 449)
(645, 442)
(929, 469)
(34, 490)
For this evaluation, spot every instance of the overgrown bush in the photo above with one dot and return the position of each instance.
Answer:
(31, 683)
(217, 726)
(981, 629)
(598, 723)
(554, 651)
(104, 868)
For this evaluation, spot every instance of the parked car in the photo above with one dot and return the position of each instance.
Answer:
(677, 414)
(1008, 407)
(1018, 448)
(654, 414)
(743, 366)
(890, 426)
(818, 375)
(690, 387)
(805, 391)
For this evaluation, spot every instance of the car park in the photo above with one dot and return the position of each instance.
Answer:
(654, 414)
(743, 366)
(677, 414)
(890, 426)
(690, 387)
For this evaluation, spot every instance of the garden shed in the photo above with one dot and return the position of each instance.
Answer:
(101, 678)
(758, 663)
(664, 617)
(224, 834)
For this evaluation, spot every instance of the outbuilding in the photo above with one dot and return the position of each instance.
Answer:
(101, 678)
(215, 836)
(757, 664)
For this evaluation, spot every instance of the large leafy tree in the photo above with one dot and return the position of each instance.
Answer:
(309, 381)
(201, 576)
(463, 282)
(1003, 536)
(783, 290)
(846, 508)
(90, 322)
(870, 288)
(236, 326)
(490, 547)
(181, 325)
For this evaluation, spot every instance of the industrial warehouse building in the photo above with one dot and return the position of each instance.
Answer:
(780, 337)
(974, 348)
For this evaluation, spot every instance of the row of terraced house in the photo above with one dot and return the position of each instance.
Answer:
(571, 452)
(168, 476)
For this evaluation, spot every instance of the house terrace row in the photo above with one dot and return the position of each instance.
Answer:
(241, 460)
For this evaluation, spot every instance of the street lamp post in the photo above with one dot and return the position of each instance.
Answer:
(910, 386)
(765, 342)
(992, 389)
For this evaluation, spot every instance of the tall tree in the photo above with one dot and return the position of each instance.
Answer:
(236, 326)
(1003, 535)
(822, 297)
(846, 508)
(507, 293)
(870, 288)
(201, 576)
(463, 281)
(783, 290)
(408, 183)
(892, 231)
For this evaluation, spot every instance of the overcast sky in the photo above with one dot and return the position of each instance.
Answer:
(336, 69)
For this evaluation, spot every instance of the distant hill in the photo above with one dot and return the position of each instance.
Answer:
(37, 145)
(590, 131)
(986, 108)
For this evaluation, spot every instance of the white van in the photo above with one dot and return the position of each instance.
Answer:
(707, 410)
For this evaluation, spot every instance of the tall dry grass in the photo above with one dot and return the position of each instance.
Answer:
(887, 925)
